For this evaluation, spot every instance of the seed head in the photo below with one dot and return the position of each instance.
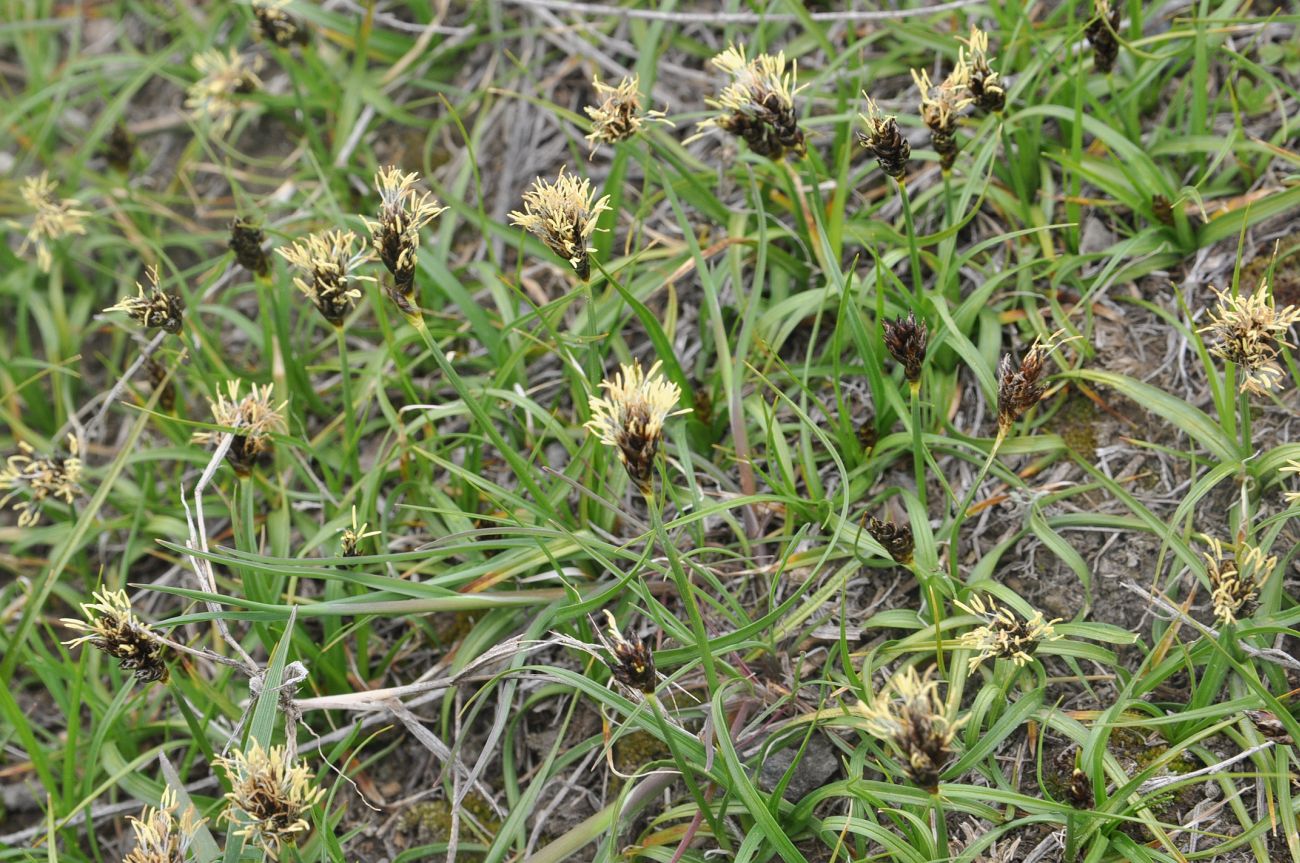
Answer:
(1079, 791)
(1292, 466)
(270, 796)
(395, 235)
(758, 104)
(1101, 35)
(1250, 333)
(352, 536)
(254, 418)
(940, 107)
(563, 215)
(1163, 209)
(884, 141)
(894, 538)
(1235, 581)
(619, 117)
(163, 309)
(631, 417)
(246, 241)
(276, 26)
(226, 77)
(39, 479)
(1019, 389)
(983, 83)
(1004, 635)
(326, 262)
(52, 218)
(914, 722)
(112, 627)
(905, 339)
(119, 148)
(634, 664)
(159, 836)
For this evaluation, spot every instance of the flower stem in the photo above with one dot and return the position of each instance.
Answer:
(918, 453)
(687, 592)
(940, 828)
(913, 252)
(960, 515)
(349, 412)
(688, 773)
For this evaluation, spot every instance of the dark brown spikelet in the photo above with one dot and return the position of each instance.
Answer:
(906, 338)
(758, 104)
(1162, 209)
(154, 308)
(893, 538)
(119, 148)
(246, 239)
(1101, 35)
(634, 665)
(1019, 389)
(276, 26)
(885, 141)
(866, 434)
(987, 93)
(112, 628)
(1079, 791)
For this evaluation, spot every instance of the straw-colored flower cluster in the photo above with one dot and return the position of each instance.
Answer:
(112, 627)
(395, 234)
(277, 26)
(52, 218)
(940, 107)
(982, 82)
(37, 480)
(1235, 581)
(634, 664)
(270, 796)
(254, 417)
(158, 308)
(914, 721)
(619, 116)
(161, 837)
(1004, 635)
(326, 262)
(563, 215)
(758, 104)
(885, 141)
(1250, 333)
(246, 241)
(630, 417)
(351, 537)
(214, 98)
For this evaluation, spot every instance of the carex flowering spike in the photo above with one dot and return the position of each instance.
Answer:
(395, 234)
(1020, 388)
(326, 262)
(563, 215)
(277, 26)
(619, 116)
(630, 417)
(633, 664)
(1003, 634)
(913, 721)
(225, 77)
(351, 537)
(160, 837)
(246, 241)
(119, 148)
(883, 140)
(896, 539)
(1101, 32)
(52, 218)
(983, 84)
(112, 627)
(1250, 332)
(940, 107)
(159, 308)
(906, 339)
(758, 104)
(270, 796)
(36, 480)
(1235, 580)
(254, 417)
